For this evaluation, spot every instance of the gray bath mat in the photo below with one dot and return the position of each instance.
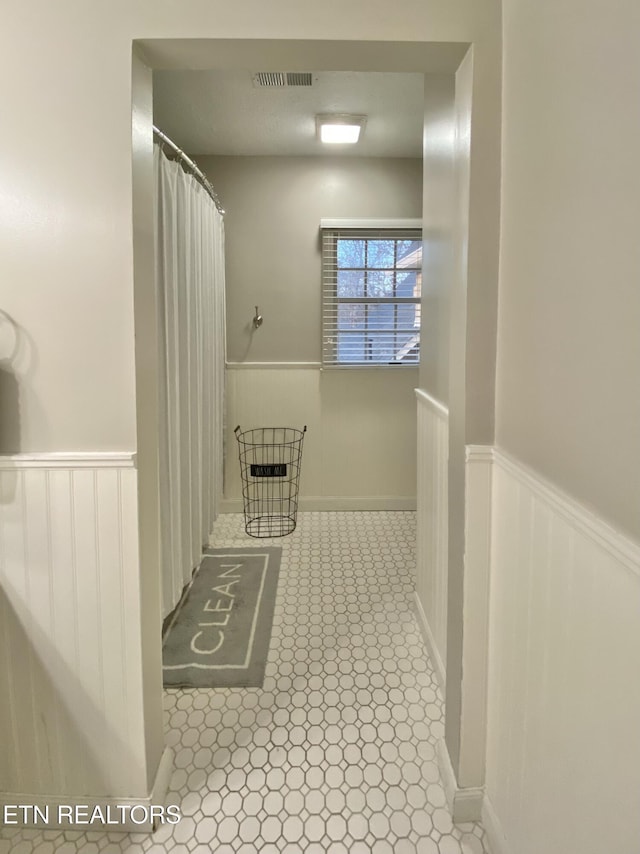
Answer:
(219, 635)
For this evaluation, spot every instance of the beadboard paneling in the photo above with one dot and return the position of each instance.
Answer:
(432, 525)
(72, 715)
(563, 753)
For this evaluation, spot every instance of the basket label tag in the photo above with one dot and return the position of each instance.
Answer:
(269, 470)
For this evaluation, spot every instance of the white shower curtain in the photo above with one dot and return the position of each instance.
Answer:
(190, 282)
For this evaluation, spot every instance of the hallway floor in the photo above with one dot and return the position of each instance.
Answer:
(336, 754)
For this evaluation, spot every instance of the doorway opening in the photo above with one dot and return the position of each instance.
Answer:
(295, 385)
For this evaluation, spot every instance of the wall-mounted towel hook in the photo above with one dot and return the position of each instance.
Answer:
(257, 320)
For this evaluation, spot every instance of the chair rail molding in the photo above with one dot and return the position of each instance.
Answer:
(70, 460)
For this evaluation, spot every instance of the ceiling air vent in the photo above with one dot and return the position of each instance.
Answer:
(270, 78)
(282, 79)
(299, 78)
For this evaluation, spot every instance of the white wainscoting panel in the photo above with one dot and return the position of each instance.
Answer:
(432, 526)
(70, 668)
(359, 450)
(563, 743)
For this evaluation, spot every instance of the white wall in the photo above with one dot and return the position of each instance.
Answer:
(360, 447)
(568, 390)
(272, 239)
(147, 378)
(65, 228)
(460, 393)
(359, 451)
(438, 213)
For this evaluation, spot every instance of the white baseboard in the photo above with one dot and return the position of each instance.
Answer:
(430, 643)
(493, 829)
(163, 777)
(334, 503)
(49, 804)
(464, 804)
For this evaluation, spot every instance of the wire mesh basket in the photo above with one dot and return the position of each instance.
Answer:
(270, 460)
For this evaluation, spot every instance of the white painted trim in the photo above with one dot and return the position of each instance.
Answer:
(480, 454)
(273, 366)
(333, 503)
(445, 767)
(424, 397)
(52, 802)
(467, 805)
(311, 366)
(163, 776)
(432, 523)
(370, 223)
(430, 643)
(71, 460)
(621, 547)
(471, 765)
(495, 834)
(464, 804)
(330, 367)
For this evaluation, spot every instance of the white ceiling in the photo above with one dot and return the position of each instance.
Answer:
(222, 112)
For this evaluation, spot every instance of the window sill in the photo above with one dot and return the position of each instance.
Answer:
(369, 367)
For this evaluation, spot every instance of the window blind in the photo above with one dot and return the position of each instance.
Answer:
(371, 286)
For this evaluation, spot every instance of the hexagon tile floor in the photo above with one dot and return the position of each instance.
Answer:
(336, 753)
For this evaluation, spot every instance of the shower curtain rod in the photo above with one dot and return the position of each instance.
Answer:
(191, 166)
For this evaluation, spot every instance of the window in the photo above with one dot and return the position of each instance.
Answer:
(371, 281)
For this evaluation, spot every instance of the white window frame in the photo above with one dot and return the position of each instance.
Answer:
(328, 229)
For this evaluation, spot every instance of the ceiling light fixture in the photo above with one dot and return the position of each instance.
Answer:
(340, 129)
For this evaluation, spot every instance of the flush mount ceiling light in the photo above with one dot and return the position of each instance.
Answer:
(340, 129)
